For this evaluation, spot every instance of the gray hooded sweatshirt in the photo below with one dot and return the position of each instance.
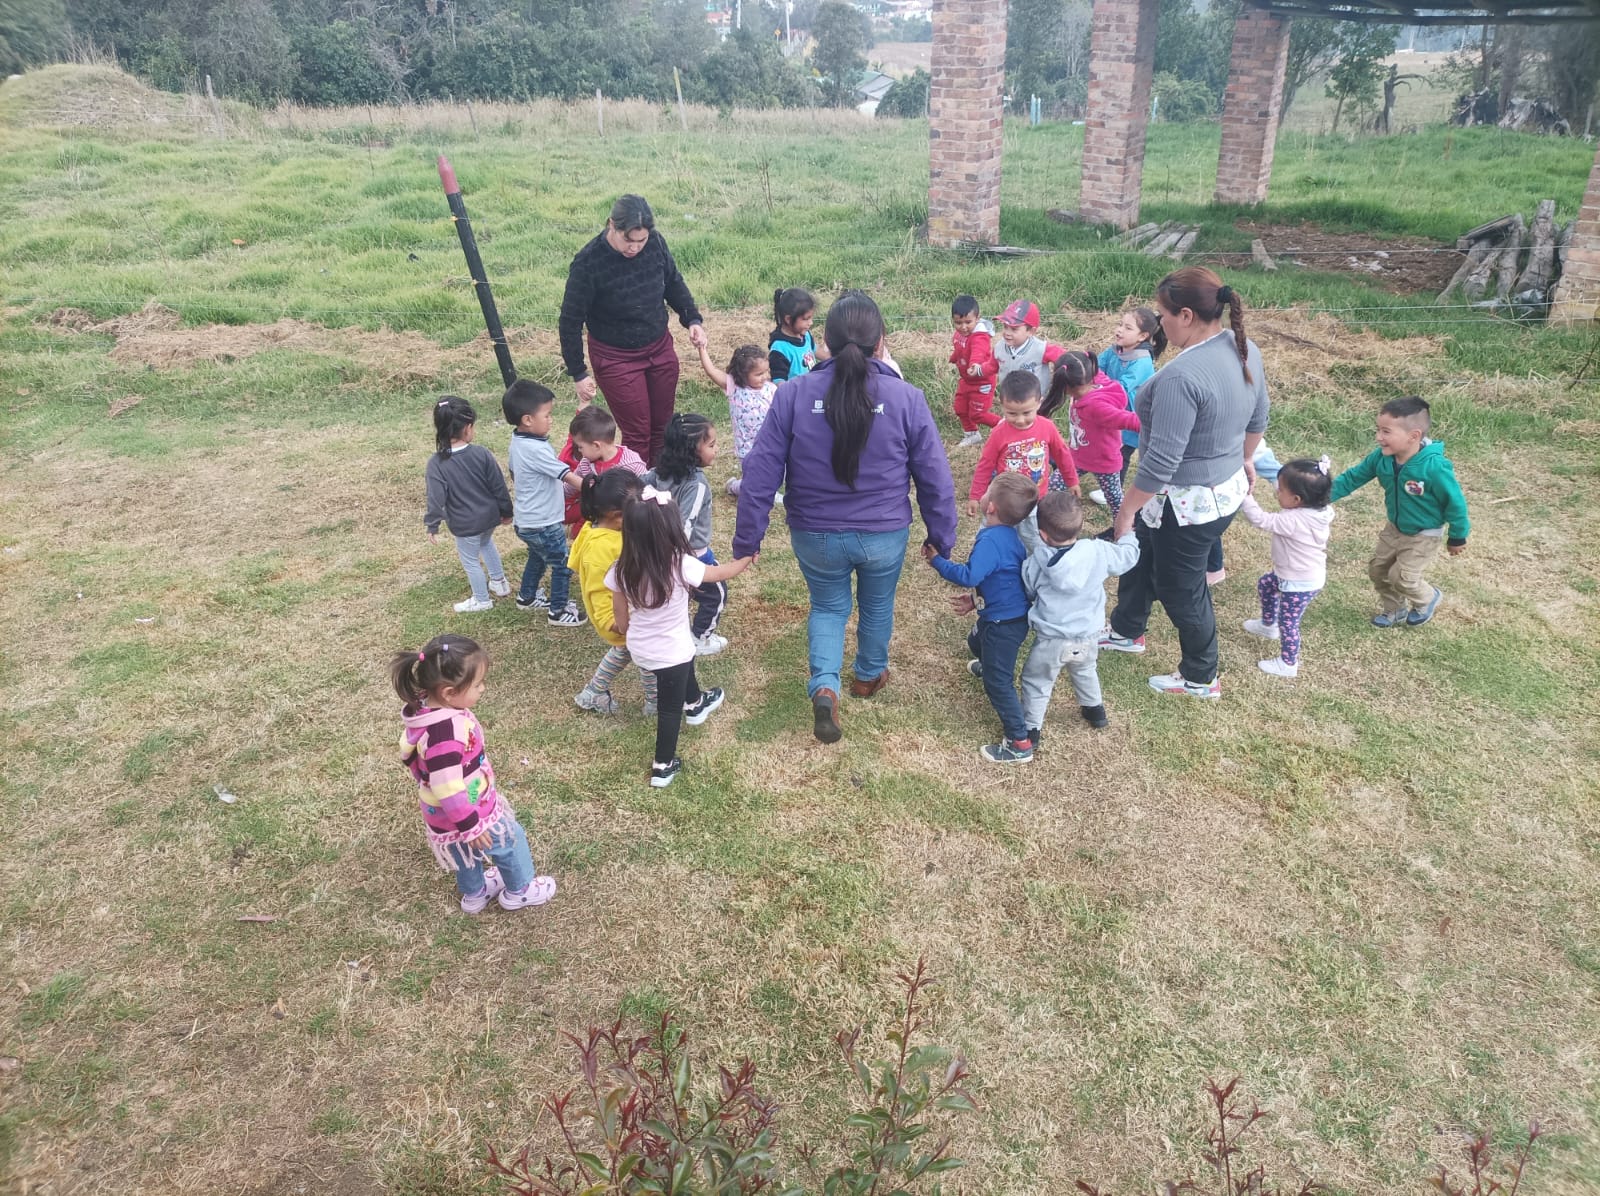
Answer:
(1067, 586)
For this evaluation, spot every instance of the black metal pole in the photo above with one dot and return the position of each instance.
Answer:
(480, 281)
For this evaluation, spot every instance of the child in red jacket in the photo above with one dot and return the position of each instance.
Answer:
(972, 353)
(1099, 415)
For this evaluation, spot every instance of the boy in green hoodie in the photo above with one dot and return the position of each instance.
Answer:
(1421, 496)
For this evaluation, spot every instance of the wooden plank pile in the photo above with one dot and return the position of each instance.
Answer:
(1495, 251)
(1173, 239)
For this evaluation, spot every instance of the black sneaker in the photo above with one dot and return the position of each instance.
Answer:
(571, 616)
(662, 775)
(1035, 734)
(695, 713)
(1095, 716)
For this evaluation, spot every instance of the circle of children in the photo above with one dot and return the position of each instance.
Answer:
(635, 544)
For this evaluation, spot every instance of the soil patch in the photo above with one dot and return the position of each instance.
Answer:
(1404, 266)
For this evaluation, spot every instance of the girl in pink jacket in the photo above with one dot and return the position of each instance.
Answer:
(1098, 416)
(1299, 534)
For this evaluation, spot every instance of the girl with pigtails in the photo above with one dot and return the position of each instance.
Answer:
(1201, 417)
(472, 830)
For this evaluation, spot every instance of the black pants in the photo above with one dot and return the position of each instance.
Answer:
(676, 688)
(1172, 571)
(710, 600)
(1127, 455)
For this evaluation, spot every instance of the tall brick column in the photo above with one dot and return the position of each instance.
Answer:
(965, 106)
(1251, 104)
(1122, 53)
(1577, 298)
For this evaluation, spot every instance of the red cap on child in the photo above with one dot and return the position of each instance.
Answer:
(1021, 313)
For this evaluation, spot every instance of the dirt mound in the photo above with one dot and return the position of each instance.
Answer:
(1403, 267)
(99, 97)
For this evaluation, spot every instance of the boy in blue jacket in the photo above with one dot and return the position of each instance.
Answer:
(994, 569)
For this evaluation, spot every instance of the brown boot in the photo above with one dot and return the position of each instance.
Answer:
(865, 689)
(825, 716)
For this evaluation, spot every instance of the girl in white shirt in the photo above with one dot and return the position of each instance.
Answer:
(650, 583)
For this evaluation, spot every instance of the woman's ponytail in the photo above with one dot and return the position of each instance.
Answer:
(1205, 294)
(853, 332)
(1235, 305)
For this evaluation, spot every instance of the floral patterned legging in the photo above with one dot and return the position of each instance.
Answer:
(1284, 608)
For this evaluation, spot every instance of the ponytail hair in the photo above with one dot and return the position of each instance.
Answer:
(1149, 322)
(1205, 294)
(653, 548)
(1074, 370)
(452, 415)
(791, 303)
(603, 493)
(853, 332)
(445, 662)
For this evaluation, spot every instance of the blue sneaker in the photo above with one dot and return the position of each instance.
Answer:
(1008, 751)
(1417, 618)
(1388, 619)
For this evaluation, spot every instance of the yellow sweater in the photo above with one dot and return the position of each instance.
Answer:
(593, 553)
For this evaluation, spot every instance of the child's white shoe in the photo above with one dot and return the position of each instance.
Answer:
(500, 588)
(492, 887)
(540, 889)
(1098, 497)
(1277, 668)
(1267, 631)
(710, 644)
(733, 487)
(472, 606)
(600, 703)
(970, 439)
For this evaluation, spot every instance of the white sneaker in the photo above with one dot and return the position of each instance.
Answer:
(540, 889)
(1277, 668)
(710, 644)
(777, 499)
(1175, 683)
(500, 588)
(970, 439)
(1098, 497)
(472, 606)
(733, 487)
(1267, 631)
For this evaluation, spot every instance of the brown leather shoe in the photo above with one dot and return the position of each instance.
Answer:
(865, 689)
(825, 716)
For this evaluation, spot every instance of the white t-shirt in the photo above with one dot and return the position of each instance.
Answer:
(659, 637)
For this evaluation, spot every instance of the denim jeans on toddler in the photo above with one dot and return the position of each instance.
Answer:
(477, 553)
(546, 546)
(508, 852)
(997, 645)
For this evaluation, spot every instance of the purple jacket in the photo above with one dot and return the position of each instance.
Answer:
(795, 443)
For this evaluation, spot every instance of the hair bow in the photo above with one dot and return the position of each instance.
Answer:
(660, 497)
(1324, 465)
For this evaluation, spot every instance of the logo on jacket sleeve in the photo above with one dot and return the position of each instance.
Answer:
(1414, 488)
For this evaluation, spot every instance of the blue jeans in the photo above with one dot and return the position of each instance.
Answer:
(509, 852)
(828, 561)
(546, 546)
(997, 645)
(475, 553)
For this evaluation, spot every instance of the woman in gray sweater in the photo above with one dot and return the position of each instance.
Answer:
(1201, 417)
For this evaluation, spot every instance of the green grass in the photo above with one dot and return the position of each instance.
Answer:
(1371, 894)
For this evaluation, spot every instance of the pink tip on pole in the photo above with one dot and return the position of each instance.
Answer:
(447, 176)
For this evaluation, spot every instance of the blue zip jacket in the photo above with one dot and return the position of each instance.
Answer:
(1132, 369)
(994, 569)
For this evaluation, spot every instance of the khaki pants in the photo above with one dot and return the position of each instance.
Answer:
(1397, 566)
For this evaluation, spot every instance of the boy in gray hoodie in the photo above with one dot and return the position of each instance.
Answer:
(1065, 580)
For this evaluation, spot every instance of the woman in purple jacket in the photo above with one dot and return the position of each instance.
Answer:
(849, 439)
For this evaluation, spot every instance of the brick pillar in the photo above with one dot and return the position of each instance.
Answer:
(964, 126)
(1122, 54)
(1577, 299)
(1251, 105)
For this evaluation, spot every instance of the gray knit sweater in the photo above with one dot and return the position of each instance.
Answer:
(1195, 413)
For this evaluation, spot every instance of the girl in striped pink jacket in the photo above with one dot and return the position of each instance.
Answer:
(473, 833)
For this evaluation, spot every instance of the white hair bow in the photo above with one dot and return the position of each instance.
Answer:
(1324, 465)
(659, 497)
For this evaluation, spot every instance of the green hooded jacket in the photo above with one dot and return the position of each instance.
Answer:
(1419, 496)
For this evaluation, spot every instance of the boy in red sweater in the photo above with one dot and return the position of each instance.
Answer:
(972, 353)
(1025, 443)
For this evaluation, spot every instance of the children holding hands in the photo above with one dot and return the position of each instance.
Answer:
(1025, 444)
(1299, 570)
(1421, 497)
(994, 569)
(749, 386)
(542, 482)
(1098, 415)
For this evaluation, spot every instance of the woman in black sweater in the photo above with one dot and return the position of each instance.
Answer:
(617, 286)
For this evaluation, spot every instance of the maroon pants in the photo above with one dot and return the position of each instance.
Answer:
(640, 388)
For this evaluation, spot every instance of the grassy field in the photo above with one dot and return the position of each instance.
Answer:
(1371, 893)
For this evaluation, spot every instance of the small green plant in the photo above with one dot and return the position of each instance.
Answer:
(1480, 1158)
(635, 1124)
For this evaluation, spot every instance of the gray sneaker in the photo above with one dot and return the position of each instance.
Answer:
(600, 703)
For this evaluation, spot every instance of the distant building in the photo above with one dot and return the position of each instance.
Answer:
(869, 88)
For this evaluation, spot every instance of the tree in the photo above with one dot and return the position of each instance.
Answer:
(335, 64)
(32, 32)
(1196, 45)
(840, 51)
(907, 97)
(1357, 77)
(1567, 66)
(244, 46)
(1313, 48)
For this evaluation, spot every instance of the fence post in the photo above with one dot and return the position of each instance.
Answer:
(216, 110)
(599, 112)
(683, 117)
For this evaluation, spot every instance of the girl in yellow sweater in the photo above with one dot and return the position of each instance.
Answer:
(596, 549)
